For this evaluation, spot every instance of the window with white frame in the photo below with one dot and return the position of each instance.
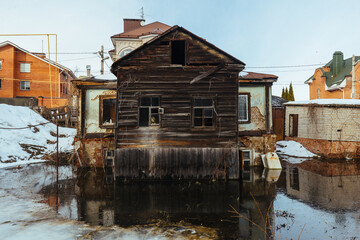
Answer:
(25, 85)
(25, 67)
(244, 107)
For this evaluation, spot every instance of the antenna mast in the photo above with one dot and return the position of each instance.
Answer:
(142, 12)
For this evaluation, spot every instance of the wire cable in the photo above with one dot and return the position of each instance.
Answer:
(29, 126)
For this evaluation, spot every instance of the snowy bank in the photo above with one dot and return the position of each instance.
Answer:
(293, 152)
(20, 143)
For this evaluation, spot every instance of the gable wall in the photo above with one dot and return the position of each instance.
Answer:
(149, 72)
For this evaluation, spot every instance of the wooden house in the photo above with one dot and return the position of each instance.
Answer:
(30, 75)
(177, 109)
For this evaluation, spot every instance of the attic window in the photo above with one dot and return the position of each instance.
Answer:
(178, 52)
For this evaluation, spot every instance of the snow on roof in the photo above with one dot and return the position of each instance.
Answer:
(107, 76)
(326, 102)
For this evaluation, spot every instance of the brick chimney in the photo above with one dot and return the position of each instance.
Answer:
(130, 24)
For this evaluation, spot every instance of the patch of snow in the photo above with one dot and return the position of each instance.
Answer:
(293, 152)
(41, 137)
(326, 102)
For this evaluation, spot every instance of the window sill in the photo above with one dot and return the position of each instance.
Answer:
(243, 122)
(205, 129)
(107, 126)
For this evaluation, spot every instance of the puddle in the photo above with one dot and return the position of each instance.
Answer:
(298, 203)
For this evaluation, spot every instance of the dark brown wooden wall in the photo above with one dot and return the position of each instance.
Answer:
(149, 72)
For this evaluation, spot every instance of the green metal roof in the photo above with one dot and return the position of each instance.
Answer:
(344, 72)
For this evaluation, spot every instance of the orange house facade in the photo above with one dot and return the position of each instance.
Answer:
(334, 80)
(29, 75)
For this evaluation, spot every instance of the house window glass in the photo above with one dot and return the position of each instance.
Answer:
(107, 111)
(126, 51)
(149, 111)
(24, 85)
(203, 112)
(25, 67)
(0, 64)
(244, 108)
(318, 92)
(178, 52)
(0, 83)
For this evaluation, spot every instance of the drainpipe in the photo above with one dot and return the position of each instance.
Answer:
(59, 83)
(353, 94)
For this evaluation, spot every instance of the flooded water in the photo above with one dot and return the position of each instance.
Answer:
(297, 201)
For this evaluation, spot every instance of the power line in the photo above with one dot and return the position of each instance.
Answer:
(74, 59)
(293, 66)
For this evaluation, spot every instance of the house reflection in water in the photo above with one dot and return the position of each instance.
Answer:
(194, 203)
(333, 189)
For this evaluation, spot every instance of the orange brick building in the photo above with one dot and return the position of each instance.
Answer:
(334, 80)
(27, 75)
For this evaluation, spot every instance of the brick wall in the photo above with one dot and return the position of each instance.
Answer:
(326, 123)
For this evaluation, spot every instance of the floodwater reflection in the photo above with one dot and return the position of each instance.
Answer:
(322, 199)
(199, 203)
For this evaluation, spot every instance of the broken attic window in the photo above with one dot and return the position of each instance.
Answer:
(178, 52)
(107, 111)
(149, 111)
(203, 112)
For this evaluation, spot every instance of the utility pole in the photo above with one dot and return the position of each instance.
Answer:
(101, 53)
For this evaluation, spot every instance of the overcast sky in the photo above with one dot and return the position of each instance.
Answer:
(264, 34)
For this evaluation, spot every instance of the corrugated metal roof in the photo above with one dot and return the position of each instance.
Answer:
(256, 76)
